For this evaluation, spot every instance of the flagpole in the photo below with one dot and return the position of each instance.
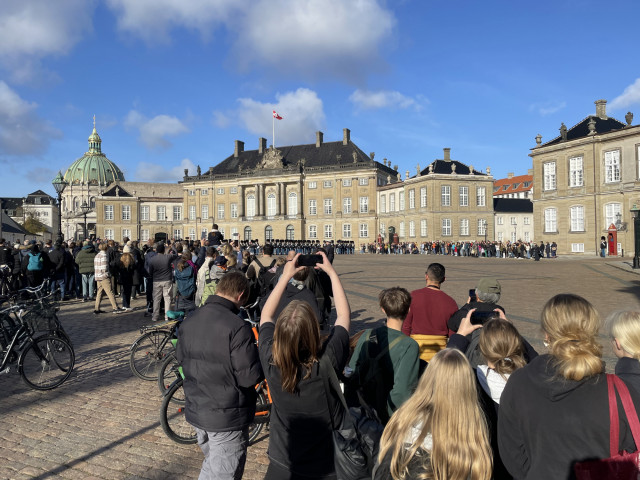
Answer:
(273, 134)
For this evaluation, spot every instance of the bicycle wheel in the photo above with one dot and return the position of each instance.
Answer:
(172, 417)
(148, 353)
(168, 373)
(261, 418)
(46, 363)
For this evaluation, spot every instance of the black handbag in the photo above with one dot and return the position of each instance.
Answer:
(356, 440)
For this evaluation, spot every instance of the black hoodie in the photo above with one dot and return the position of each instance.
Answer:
(547, 423)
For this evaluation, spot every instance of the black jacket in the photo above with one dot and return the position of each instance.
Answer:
(547, 423)
(57, 260)
(218, 354)
(628, 369)
(456, 318)
(215, 238)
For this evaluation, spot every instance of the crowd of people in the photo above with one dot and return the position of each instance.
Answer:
(482, 248)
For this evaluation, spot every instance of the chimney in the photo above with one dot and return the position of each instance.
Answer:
(346, 137)
(262, 145)
(319, 136)
(239, 148)
(601, 109)
(510, 175)
(530, 172)
(447, 154)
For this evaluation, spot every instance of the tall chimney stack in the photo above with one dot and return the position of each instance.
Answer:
(319, 137)
(510, 175)
(601, 109)
(239, 148)
(346, 137)
(262, 145)
(447, 154)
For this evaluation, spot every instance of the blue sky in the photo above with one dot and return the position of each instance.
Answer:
(174, 83)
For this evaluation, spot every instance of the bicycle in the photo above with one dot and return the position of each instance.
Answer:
(44, 362)
(149, 351)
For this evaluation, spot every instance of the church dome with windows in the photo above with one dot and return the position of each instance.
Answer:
(93, 168)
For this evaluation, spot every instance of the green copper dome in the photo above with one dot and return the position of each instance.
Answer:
(93, 168)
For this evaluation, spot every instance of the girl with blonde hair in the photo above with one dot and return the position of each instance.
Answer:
(554, 411)
(439, 432)
(625, 334)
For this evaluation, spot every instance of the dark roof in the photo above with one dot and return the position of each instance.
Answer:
(45, 198)
(329, 154)
(444, 167)
(581, 129)
(512, 205)
(11, 203)
(111, 192)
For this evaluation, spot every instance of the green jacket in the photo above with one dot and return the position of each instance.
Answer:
(84, 259)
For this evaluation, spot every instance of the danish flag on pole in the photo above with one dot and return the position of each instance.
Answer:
(276, 116)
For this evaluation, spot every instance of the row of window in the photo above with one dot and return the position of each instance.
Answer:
(314, 184)
(446, 229)
(576, 171)
(576, 215)
(512, 220)
(445, 198)
(205, 191)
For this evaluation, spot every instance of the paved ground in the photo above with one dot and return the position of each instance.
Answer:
(104, 422)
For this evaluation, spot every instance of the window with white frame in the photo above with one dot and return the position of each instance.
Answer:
(612, 166)
(248, 234)
(290, 232)
(464, 196)
(312, 185)
(161, 213)
(526, 221)
(464, 226)
(500, 236)
(549, 174)
(268, 233)
(392, 202)
(144, 235)
(313, 207)
(204, 191)
(550, 220)
(577, 218)
(481, 196)
(126, 233)
(445, 194)
(177, 234)
(234, 232)
(346, 230)
(611, 211)
(177, 213)
(192, 212)
(144, 212)
(412, 228)
(500, 220)
(513, 221)
(220, 191)
(233, 190)
(108, 234)
(346, 182)
(271, 205)
(363, 181)
(346, 205)
(108, 212)
(364, 204)
(577, 248)
(293, 204)
(251, 206)
(482, 227)
(234, 210)
(402, 233)
(221, 211)
(527, 237)
(327, 184)
(126, 212)
(423, 197)
(576, 172)
(401, 200)
(328, 231)
(446, 227)
(513, 236)
(192, 233)
(328, 206)
(204, 212)
(383, 230)
(364, 230)
(383, 204)
(412, 198)
(192, 192)
(423, 228)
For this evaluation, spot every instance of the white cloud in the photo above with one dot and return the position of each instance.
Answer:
(302, 112)
(310, 38)
(221, 120)
(630, 96)
(368, 100)
(22, 131)
(154, 132)
(34, 29)
(152, 172)
(547, 108)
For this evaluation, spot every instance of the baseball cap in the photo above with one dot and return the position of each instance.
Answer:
(489, 285)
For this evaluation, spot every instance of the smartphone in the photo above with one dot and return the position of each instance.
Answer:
(309, 260)
(472, 295)
(480, 318)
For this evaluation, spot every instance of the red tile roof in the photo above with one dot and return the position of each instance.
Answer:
(515, 184)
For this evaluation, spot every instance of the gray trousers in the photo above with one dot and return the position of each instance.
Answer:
(225, 454)
(161, 289)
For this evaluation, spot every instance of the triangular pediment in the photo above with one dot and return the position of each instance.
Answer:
(116, 191)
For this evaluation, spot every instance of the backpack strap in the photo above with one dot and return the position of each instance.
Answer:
(615, 383)
(258, 262)
(370, 373)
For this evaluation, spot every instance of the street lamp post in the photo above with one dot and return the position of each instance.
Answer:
(485, 230)
(85, 210)
(635, 213)
(59, 184)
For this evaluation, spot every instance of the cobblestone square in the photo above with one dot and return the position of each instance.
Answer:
(103, 422)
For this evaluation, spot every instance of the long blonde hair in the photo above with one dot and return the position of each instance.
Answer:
(625, 327)
(572, 325)
(445, 405)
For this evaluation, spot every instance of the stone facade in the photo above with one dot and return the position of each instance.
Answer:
(583, 179)
(513, 219)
